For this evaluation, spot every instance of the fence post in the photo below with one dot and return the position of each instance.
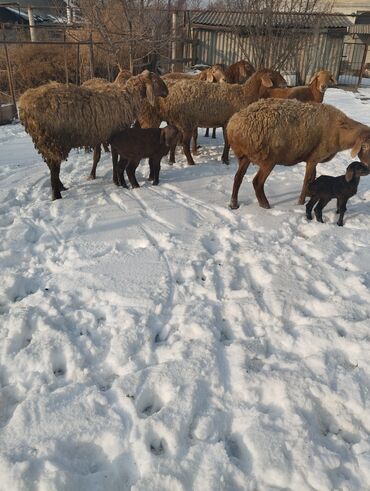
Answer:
(78, 64)
(363, 61)
(10, 78)
(65, 60)
(91, 57)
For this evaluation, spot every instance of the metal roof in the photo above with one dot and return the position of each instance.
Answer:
(280, 19)
(360, 29)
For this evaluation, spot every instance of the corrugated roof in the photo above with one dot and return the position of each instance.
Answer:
(280, 19)
(360, 29)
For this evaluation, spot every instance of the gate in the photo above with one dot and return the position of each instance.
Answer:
(352, 64)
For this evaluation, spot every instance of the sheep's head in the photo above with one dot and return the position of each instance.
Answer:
(356, 169)
(170, 136)
(122, 76)
(267, 79)
(213, 74)
(362, 148)
(154, 86)
(322, 80)
(245, 70)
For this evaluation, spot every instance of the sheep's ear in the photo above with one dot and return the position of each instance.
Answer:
(314, 77)
(146, 73)
(266, 80)
(150, 93)
(333, 80)
(356, 149)
(349, 175)
(242, 70)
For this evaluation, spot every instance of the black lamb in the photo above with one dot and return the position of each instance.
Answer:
(325, 188)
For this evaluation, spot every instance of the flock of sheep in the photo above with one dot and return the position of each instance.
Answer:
(263, 121)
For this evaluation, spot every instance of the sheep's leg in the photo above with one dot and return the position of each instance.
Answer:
(339, 206)
(309, 176)
(309, 207)
(225, 153)
(240, 173)
(186, 146)
(319, 207)
(151, 170)
(130, 170)
(214, 132)
(206, 134)
(258, 184)
(156, 169)
(342, 209)
(194, 146)
(172, 155)
(54, 168)
(106, 147)
(96, 158)
(118, 169)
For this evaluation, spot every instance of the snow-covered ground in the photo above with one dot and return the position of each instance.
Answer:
(156, 340)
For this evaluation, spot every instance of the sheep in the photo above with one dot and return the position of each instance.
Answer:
(134, 144)
(60, 117)
(314, 91)
(101, 84)
(215, 73)
(326, 188)
(192, 104)
(285, 132)
(236, 73)
(239, 72)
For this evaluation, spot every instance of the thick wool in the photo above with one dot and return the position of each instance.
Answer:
(60, 117)
(192, 104)
(287, 131)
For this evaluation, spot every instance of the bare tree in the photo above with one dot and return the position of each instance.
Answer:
(271, 33)
(131, 30)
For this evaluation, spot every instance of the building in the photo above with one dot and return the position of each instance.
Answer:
(225, 37)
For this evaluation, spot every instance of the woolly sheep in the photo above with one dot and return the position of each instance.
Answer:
(192, 104)
(236, 73)
(215, 73)
(101, 84)
(325, 188)
(314, 91)
(60, 117)
(285, 132)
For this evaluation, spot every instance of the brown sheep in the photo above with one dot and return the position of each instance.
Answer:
(215, 73)
(60, 117)
(237, 73)
(286, 132)
(101, 84)
(314, 91)
(192, 104)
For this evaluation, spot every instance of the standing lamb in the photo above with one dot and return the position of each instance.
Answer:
(286, 132)
(60, 117)
(135, 144)
(325, 188)
(314, 91)
(192, 104)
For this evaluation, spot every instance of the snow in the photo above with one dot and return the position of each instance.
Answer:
(155, 339)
